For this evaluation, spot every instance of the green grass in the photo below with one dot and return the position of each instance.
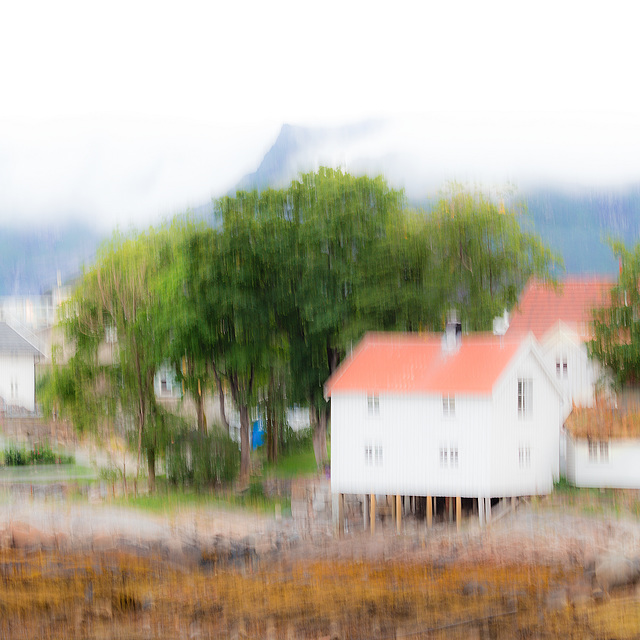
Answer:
(169, 499)
(293, 464)
(43, 474)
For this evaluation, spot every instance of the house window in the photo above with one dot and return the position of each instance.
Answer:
(448, 406)
(449, 457)
(110, 334)
(373, 455)
(598, 451)
(561, 367)
(14, 387)
(373, 404)
(524, 457)
(525, 397)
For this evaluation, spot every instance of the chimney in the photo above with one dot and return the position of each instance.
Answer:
(501, 324)
(452, 333)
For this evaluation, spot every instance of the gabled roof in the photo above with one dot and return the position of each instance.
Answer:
(415, 363)
(12, 342)
(542, 306)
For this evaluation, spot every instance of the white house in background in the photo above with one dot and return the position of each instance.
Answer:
(474, 417)
(603, 448)
(561, 319)
(166, 383)
(19, 352)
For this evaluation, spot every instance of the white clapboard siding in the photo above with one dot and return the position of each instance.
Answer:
(579, 380)
(410, 430)
(620, 469)
(524, 450)
(17, 380)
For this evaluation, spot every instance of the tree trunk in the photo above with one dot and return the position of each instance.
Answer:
(245, 445)
(223, 415)
(202, 418)
(151, 463)
(272, 425)
(319, 422)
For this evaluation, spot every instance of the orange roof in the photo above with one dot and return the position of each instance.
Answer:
(542, 306)
(414, 363)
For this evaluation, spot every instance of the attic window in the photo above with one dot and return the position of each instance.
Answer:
(373, 404)
(561, 367)
(525, 397)
(448, 406)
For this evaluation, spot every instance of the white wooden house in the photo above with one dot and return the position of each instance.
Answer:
(603, 448)
(19, 352)
(560, 317)
(474, 417)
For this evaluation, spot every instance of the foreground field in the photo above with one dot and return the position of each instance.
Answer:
(123, 595)
(95, 571)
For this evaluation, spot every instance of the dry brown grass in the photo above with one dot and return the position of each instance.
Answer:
(117, 595)
(603, 423)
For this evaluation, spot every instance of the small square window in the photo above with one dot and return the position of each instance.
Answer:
(373, 404)
(453, 457)
(444, 453)
(448, 406)
(378, 451)
(524, 457)
(604, 451)
(368, 455)
(593, 451)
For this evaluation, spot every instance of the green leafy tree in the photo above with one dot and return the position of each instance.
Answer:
(341, 219)
(484, 256)
(115, 302)
(616, 338)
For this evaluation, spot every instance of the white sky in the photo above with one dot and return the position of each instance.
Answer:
(126, 112)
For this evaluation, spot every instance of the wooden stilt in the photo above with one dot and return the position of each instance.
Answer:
(429, 512)
(398, 513)
(458, 512)
(481, 511)
(373, 513)
(365, 510)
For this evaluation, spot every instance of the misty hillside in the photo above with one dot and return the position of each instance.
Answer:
(574, 223)
(31, 259)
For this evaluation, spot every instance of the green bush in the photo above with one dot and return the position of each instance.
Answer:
(297, 441)
(39, 454)
(202, 460)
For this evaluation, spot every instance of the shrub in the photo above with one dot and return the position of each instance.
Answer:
(200, 460)
(40, 454)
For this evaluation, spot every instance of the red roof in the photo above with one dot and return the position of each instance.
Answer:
(541, 306)
(414, 363)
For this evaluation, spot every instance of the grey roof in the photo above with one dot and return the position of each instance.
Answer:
(12, 342)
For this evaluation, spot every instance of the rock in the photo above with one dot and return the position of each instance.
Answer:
(556, 600)
(615, 571)
(24, 536)
(473, 588)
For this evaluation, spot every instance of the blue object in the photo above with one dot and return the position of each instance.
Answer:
(257, 434)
